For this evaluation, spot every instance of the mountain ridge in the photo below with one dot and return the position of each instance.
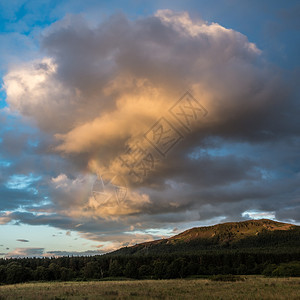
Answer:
(263, 233)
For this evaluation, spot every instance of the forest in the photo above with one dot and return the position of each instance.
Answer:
(164, 266)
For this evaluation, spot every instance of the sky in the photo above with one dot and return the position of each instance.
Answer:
(127, 121)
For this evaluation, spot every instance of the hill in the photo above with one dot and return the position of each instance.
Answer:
(261, 234)
(252, 247)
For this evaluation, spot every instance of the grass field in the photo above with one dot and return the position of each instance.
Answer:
(254, 287)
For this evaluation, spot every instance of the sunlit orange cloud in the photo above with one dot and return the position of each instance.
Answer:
(110, 209)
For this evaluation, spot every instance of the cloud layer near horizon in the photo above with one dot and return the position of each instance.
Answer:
(99, 89)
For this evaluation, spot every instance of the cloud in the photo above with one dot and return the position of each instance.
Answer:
(99, 89)
(128, 76)
(40, 252)
(24, 180)
(72, 253)
(25, 252)
(22, 240)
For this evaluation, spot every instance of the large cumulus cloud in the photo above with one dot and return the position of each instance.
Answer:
(99, 89)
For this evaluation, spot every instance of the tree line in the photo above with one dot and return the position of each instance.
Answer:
(164, 266)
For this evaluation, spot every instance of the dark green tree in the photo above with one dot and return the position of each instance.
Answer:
(131, 269)
(114, 268)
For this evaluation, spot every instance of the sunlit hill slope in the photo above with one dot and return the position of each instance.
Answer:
(252, 235)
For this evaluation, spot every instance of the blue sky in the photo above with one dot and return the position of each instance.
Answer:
(82, 80)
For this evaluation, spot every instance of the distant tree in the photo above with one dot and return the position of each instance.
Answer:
(131, 269)
(242, 269)
(66, 274)
(54, 271)
(91, 270)
(291, 269)
(144, 271)
(16, 273)
(159, 268)
(41, 273)
(2, 274)
(269, 269)
(192, 268)
(177, 268)
(114, 268)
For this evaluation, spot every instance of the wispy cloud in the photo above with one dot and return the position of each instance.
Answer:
(40, 252)
(25, 252)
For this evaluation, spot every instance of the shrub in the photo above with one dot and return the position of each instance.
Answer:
(291, 269)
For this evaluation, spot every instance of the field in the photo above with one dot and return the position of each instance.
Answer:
(254, 287)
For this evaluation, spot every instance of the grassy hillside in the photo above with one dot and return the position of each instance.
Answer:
(253, 234)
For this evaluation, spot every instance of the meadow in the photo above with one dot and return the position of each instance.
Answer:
(253, 287)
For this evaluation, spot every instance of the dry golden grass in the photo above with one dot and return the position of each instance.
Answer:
(254, 287)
